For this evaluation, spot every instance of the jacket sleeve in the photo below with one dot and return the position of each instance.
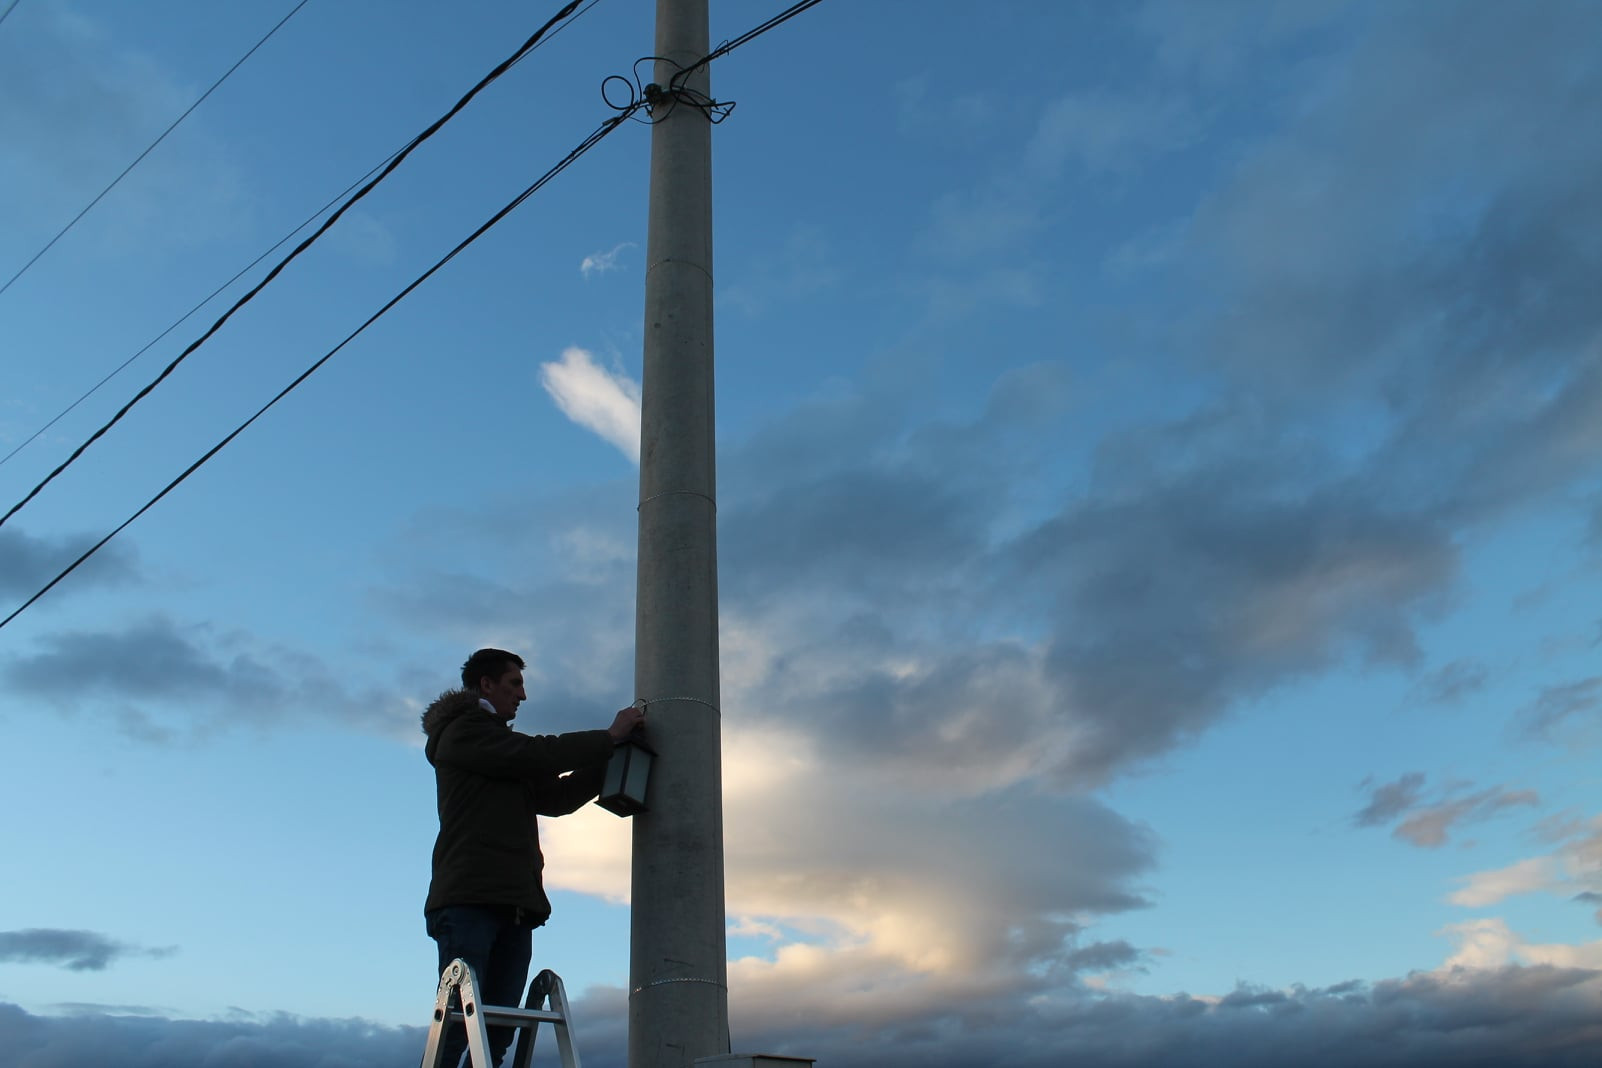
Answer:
(483, 746)
(558, 797)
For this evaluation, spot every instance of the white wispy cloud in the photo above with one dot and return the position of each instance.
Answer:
(602, 262)
(1489, 887)
(607, 402)
(1488, 944)
(1575, 868)
(365, 238)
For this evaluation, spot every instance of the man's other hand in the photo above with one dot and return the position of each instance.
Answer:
(627, 721)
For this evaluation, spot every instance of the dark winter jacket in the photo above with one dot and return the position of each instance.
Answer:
(491, 782)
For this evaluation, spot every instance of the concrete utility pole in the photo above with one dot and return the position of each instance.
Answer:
(678, 979)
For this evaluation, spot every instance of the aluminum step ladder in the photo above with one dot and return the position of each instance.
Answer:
(457, 1002)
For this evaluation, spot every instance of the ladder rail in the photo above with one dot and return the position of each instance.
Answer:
(457, 979)
(547, 988)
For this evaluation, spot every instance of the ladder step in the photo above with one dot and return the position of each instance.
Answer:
(503, 1014)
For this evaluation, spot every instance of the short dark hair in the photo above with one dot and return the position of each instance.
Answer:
(491, 662)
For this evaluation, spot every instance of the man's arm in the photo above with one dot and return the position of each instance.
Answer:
(570, 793)
(558, 797)
(485, 747)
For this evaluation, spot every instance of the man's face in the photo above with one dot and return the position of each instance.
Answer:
(505, 693)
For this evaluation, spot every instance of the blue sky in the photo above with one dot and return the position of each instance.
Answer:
(1160, 523)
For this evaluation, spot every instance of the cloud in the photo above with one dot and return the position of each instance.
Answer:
(79, 951)
(1391, 800)
(1428, 825)
(969, 643)
(1210, 43)
(933, 793)
(1261, 582)
(603, 401)
(28, 563)
(798, 268)
(361, 236)
(167, 680)
(867, 880)
(1561, 707)
(602, 262)
(1104, 134)
(1521, 1016)
(1489, 887)
(1573, 869)
(1101, 131)
(968, 116)
(1452, 682)
(1489, 944)
(888, 892)
(1418, 243)
(1426, 1019)
(845, 537)
(76, 105)
(281, 1041)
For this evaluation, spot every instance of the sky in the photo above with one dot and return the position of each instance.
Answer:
(1160, 496)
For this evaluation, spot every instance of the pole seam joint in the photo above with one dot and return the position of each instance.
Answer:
(664, 261)
(686, 979)
(677, 493)
(691, 700)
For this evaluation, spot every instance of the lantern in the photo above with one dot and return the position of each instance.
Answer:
(628, 774)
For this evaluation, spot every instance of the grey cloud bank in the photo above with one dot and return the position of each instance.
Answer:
(1519, 1017)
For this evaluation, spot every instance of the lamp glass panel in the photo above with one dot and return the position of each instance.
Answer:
(615, 771)
(637, 775)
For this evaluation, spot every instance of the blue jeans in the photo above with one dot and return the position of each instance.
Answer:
(497, 948)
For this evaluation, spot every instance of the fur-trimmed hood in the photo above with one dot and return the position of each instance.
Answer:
(445, 710)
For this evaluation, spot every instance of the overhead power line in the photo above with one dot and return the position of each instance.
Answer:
(149, 148)
(176, 323)
(584, 146)
(9, 9)
(646, 101)
(313, 217)
(389, 168)
(749, 35)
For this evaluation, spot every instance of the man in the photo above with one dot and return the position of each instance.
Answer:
(486, 896)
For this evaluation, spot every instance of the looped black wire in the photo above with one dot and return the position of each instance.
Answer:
(677, 92)
(714, 110)
(658, 102)
(681, 75)
(634, 99)
(642, 96)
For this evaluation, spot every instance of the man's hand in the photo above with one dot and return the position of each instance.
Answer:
(626, 723)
